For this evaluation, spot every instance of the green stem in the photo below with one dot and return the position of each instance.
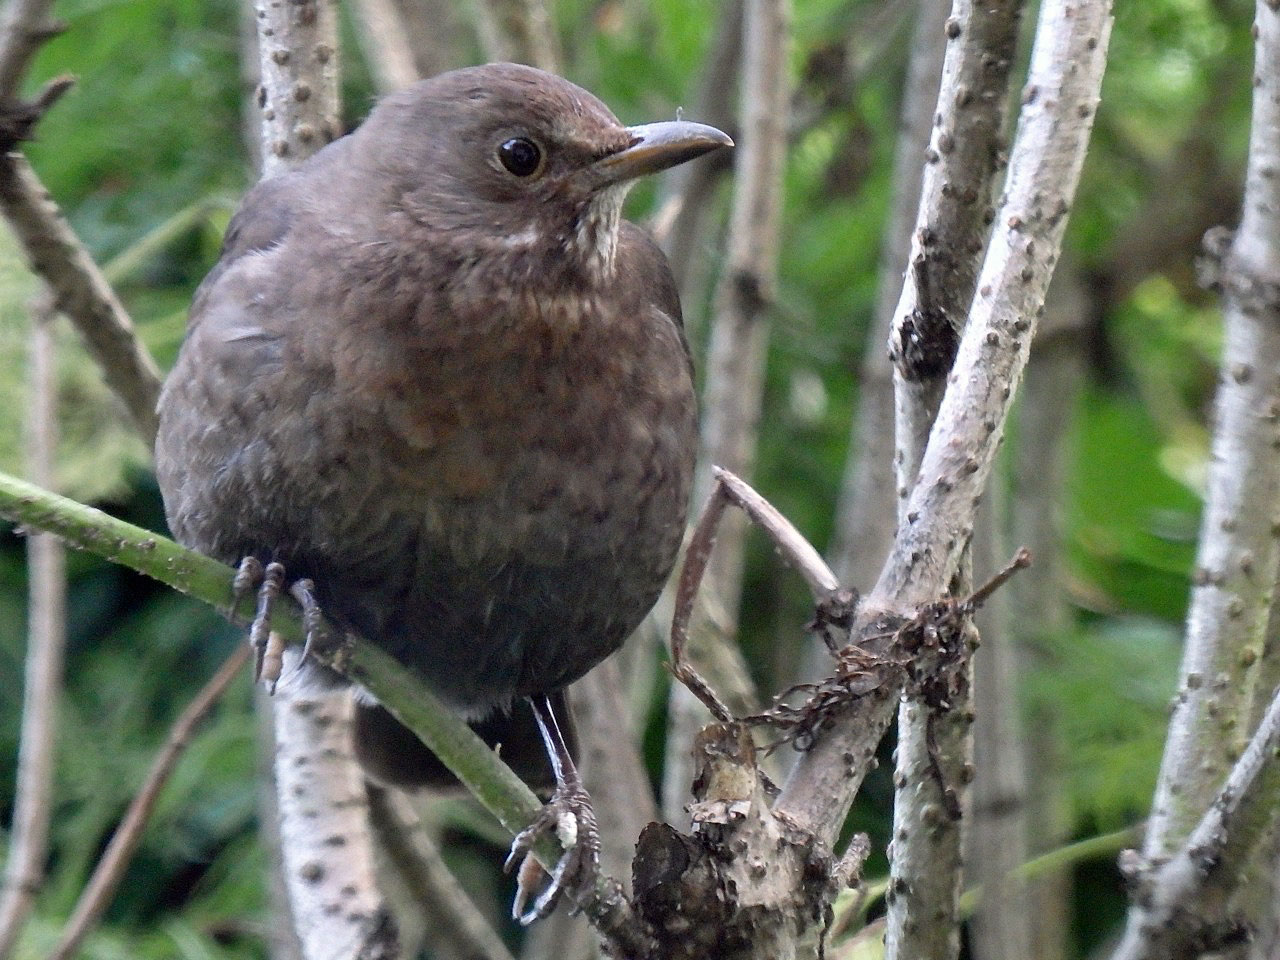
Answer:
(488, 778)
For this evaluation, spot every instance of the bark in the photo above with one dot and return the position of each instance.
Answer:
(735, 367)
(298, 87)
(1236, 567)
(325, 835)
(46, 645)
(865, 514)
(1180, 905)
(1057, 114)
(934, 753)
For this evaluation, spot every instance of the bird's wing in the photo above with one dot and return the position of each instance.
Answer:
(647, 278)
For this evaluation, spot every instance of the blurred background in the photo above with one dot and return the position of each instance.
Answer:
(147, 155)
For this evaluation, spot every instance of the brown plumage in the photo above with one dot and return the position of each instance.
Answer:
(434, 372)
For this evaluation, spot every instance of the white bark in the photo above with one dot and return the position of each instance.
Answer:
(1044, 167)
(935, 746)
(1236, 569)
(298, 95)
(324, 833)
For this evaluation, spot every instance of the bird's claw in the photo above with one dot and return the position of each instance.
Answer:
(268, 647)
(570, 815)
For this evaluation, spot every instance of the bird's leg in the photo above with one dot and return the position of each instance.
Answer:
(304, 591)
(250, 578)
(569, 814)
(265, 668)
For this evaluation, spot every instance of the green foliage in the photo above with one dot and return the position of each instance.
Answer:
(145, 153)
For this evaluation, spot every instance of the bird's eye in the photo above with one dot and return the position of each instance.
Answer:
(520, 156)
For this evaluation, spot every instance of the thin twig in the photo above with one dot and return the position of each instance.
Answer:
(24, 29)
(110, 869)
(433, 887)
(46, 642)
(795, 549)
(697, 556)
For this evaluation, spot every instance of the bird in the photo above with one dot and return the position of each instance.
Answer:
(438, 388)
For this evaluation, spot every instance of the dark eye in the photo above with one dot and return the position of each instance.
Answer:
(520, 156)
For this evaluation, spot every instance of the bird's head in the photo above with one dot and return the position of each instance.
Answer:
(505, 157)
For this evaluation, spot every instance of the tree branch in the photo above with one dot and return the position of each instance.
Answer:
(499, 790)
(734, 386)
(935, 745)
(433, 887)
(298, 95)
(1238, 557)
(1180, 905)
(46, 643)
(1057, 115)
(80, 291)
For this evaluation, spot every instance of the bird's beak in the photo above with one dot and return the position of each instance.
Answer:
(657, 146)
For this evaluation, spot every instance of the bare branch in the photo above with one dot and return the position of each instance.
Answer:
(24, 28)
(1062, 92)
(736, 355)
(110, 869)
(325, 835)
(1237, 561)
(1180, 904)
(965, 154)
(298, 96)
(80, 291)
(499, 790)
(865, 514)
(46, 642)
(385, 40)
(935, 745)
(434, 889)
(797, 551)
(1236, 566)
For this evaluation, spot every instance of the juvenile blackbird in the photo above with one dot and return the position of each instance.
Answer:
(436, 374)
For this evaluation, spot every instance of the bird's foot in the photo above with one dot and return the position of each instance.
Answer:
(268, 646)
(570, 816)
